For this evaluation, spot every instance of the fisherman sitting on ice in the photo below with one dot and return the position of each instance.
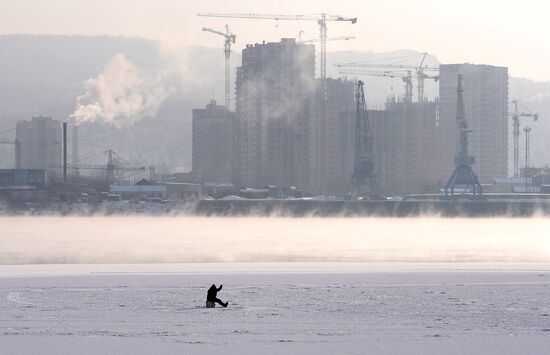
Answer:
(212, 299)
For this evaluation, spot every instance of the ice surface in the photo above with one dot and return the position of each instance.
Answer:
(291, 308)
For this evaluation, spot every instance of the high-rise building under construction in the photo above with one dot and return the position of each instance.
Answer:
(213, 143)
(339, 143)
(485, 110)
(274, 88)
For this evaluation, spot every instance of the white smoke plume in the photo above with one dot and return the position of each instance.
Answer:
(122, 94)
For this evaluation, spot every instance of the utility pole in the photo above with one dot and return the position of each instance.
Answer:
(516, 133)
(110, 169)
(526, 174)
(64, 152)
(527, 131)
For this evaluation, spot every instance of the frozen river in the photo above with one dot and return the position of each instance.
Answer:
(137, 285)
(290, 308)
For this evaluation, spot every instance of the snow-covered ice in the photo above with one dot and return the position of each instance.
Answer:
(292, 308)
(137, 285)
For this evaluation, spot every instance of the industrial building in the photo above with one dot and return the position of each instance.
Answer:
(21, 177)
(213, 144)
(274, 88)
(486, 111)
(39, 146)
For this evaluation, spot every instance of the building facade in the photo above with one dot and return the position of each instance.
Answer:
(40, 145)
(274, 88)
(407, 147)
(486, 111)
(340, 126)
(213, 144)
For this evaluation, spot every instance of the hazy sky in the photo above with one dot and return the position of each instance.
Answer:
(499, 32)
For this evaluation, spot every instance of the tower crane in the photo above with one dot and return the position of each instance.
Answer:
(420, 72)
(463, 174)
(230, 38)
(406, 76)
(321, 20)
(516, 133)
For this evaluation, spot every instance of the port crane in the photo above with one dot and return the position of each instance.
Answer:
(463, 174)
(321, 20)
(516, 116)
(230, 38)
(363, 169)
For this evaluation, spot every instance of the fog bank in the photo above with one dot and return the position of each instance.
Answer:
(58, 240)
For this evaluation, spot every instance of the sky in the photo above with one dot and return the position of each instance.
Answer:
(497, 32)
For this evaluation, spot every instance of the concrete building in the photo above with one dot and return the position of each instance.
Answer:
(340, 126)
(274, 88)
(486, 110)
(213, 143)
(40, 145)
(406, 143)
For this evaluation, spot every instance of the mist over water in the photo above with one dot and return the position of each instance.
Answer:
(59, 240)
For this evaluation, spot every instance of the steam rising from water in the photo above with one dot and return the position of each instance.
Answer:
(29, 240)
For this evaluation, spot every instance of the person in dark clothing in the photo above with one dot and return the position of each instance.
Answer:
(212, 299)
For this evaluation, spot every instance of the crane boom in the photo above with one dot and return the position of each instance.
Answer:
(389, 66)
(206, 29)
(315, 17)
(342, 38)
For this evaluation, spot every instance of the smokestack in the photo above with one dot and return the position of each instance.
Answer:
(64, 152)
(75, 152)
